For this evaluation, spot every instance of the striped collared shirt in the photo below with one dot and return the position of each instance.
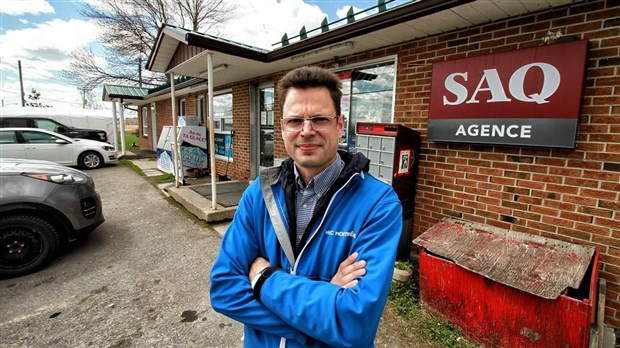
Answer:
(308, 196)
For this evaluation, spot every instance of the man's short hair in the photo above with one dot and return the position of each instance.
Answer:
(309, 77)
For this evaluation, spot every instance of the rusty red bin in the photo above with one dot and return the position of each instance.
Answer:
(508, 289)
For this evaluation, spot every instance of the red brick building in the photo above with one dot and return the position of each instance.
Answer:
(571, 194)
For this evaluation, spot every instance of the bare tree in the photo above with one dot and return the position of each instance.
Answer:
(130, 28)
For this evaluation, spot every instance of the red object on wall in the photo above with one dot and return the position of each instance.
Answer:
(498, 315)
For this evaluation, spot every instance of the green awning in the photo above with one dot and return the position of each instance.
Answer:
(111, 92)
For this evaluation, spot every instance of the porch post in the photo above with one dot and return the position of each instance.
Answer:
(211, 132)
(175, 153)
(122, 127)
(114, 126)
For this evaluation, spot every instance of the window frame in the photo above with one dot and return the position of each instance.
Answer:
(145, 123)
(347, 142)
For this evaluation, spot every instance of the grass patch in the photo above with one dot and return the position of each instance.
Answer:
(404, 300)
(165, 178)
(130, 139)
(155, 180)
(130, 164)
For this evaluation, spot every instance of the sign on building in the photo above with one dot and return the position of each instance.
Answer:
(528, 97)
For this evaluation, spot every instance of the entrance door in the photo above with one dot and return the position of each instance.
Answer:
(266, 137)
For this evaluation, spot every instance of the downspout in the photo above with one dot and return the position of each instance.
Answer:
(173, 143)
(211, 132)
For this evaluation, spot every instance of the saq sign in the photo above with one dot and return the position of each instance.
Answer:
(528, 97)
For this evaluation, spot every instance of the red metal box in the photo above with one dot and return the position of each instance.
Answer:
(501, 288)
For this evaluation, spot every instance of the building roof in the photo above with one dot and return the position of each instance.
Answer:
(111, 92)
(184, 52)
(406, 22)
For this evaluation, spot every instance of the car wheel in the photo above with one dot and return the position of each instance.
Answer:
(27, 244)
(90, 160)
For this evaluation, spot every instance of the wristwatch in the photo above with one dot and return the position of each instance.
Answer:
(256, 276)
(259, 279)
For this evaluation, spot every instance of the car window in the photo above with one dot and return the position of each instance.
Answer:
(8, 137)
(47, 124)
(38, 137)
(14, 122)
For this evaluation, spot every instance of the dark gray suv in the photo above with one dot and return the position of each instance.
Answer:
(54, 126)
(43, 207)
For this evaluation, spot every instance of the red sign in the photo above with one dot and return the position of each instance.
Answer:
(514, 96)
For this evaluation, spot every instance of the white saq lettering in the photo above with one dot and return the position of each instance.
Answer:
(491, 79)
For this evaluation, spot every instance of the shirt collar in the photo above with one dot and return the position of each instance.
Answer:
(324, 179)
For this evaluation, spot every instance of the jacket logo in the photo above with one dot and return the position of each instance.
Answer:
(350, 234)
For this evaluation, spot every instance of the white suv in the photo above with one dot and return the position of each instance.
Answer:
(41, 144)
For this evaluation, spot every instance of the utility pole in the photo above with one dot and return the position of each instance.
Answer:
(140, 70)
(83, 89)
(21, 83)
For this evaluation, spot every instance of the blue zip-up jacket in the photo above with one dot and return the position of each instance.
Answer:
(300, 307)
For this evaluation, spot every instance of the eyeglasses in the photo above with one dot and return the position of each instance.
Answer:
(319, 123)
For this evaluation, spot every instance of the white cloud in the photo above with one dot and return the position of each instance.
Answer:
(21, 7)
(43, 51)
(262, 23)
(46, 47)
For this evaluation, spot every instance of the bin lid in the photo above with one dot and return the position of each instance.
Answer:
(540, 266)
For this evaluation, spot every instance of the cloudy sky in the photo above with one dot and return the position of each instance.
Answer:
(41, 33)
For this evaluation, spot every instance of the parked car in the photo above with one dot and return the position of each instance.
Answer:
(43, 207)
(54, 126)
(41, 144)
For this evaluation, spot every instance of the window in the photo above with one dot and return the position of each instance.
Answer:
(38, 137)
(223, 110)
(15, 122)
(201, 109)
(8, 137)
(145, 122)
(51, 125)
(368, 96)
(182, 107)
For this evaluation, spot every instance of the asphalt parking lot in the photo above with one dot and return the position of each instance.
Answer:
(140, 280)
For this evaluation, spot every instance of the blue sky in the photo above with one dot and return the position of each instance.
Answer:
(41, 34)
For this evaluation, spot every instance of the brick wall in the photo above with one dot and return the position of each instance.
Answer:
(164, 118)
(572, 195)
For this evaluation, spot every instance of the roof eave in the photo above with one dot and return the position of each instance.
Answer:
(364, 26)
(367, 25)
(225, 47)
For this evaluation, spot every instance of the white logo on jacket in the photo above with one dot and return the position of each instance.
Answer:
(349, 234)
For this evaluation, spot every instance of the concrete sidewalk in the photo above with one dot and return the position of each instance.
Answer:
(218, 217)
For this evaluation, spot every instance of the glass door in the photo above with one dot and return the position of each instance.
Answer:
(265, 108)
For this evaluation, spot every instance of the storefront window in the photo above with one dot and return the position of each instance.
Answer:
(368, 96)
(222, 111)
(223, 120)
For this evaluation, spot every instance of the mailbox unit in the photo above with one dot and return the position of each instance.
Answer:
(393, 152)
